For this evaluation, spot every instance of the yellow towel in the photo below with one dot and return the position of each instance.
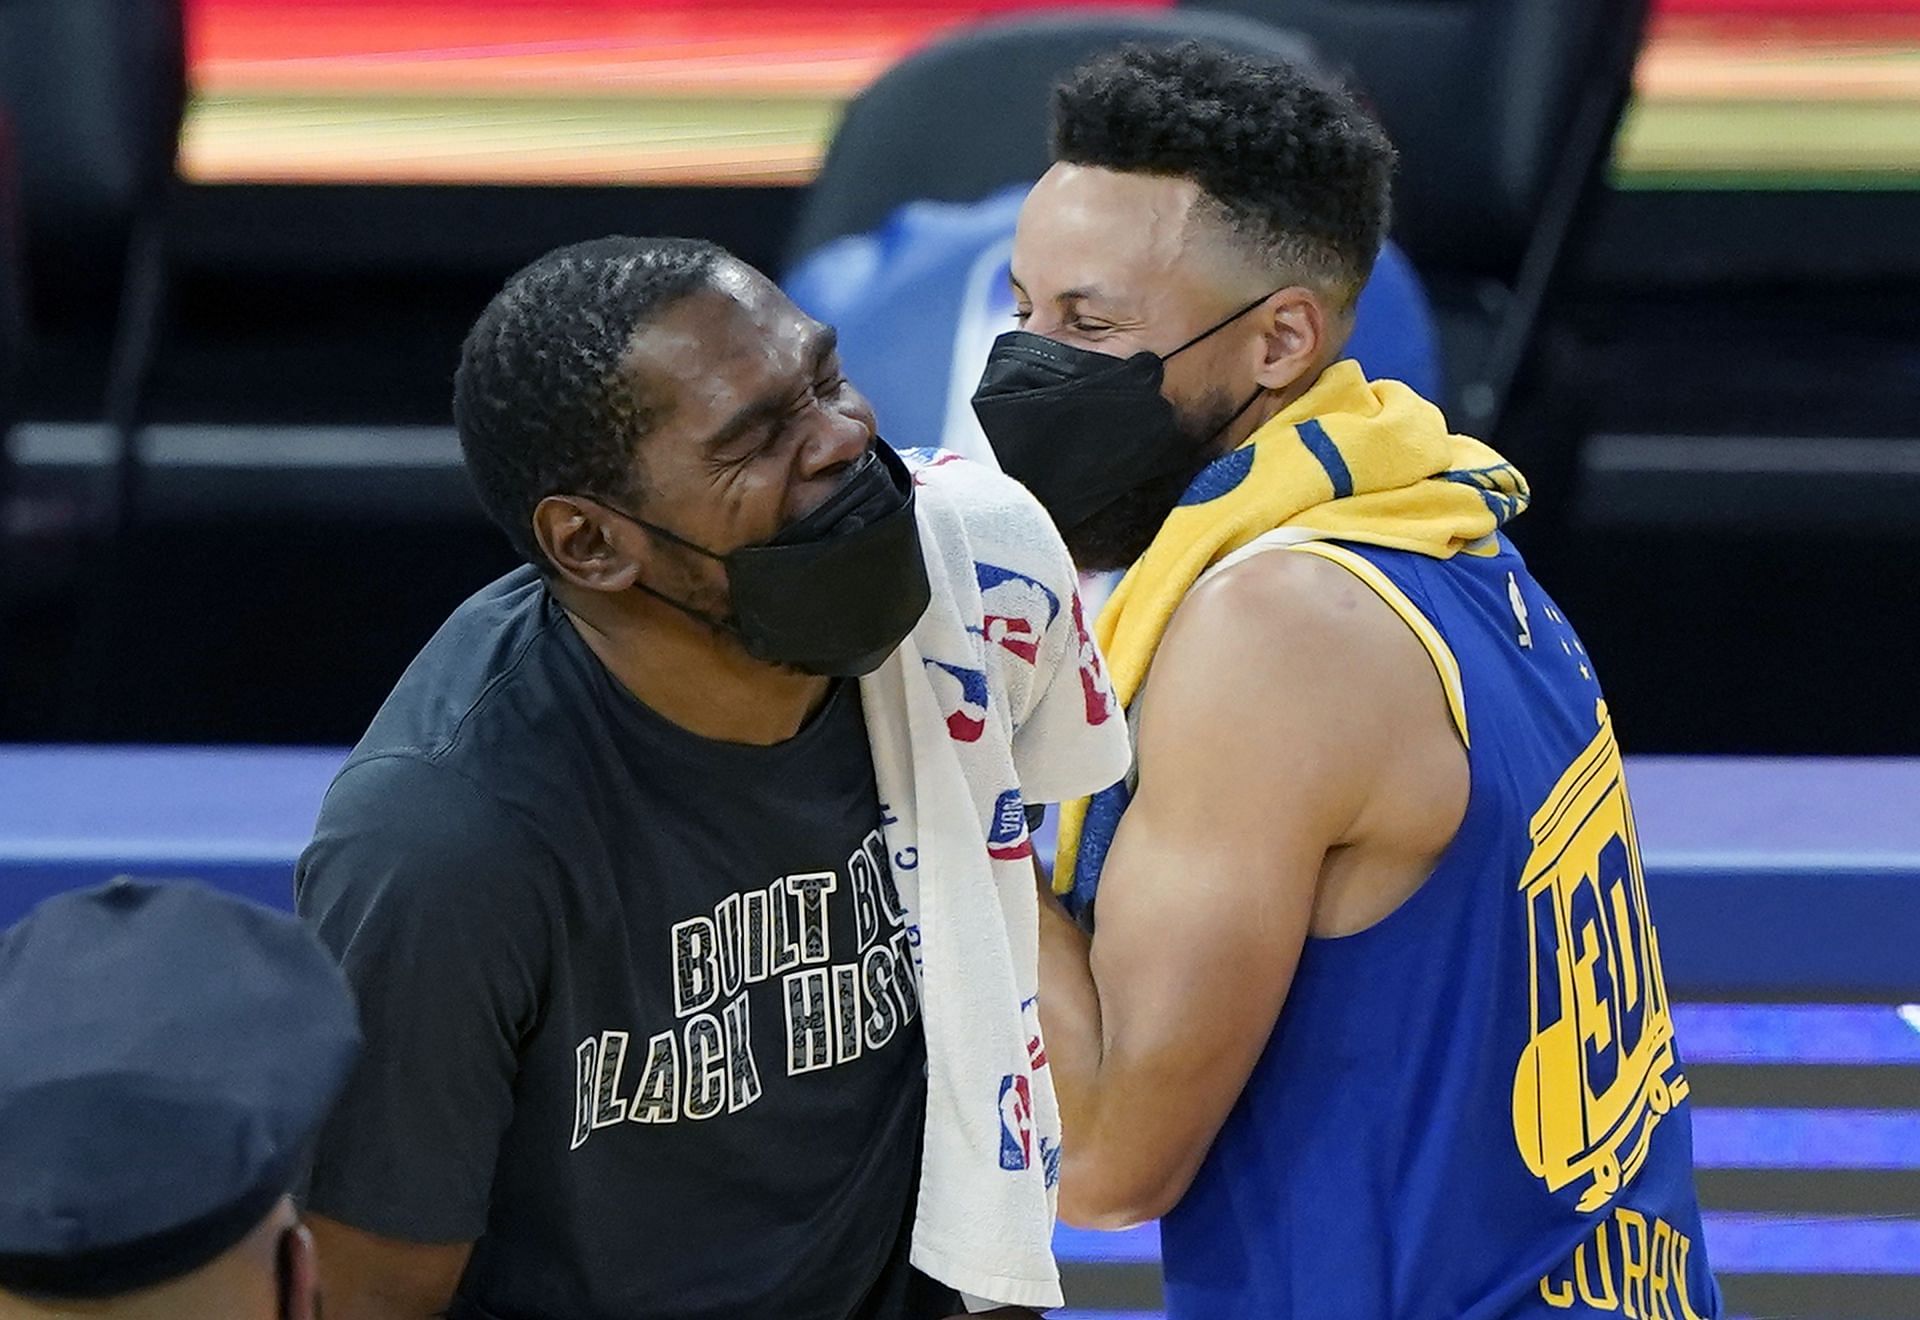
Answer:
(1352, 459)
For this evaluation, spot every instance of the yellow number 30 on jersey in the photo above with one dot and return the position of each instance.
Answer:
(1598, 1073)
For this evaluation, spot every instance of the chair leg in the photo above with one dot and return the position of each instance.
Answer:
(89, 705)
(135, 346)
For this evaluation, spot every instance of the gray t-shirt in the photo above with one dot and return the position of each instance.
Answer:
(639, 1008)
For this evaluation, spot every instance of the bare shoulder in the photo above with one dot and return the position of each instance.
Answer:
(1280, 610)
(1288, 667)
(1269, 676)
(1294, 646)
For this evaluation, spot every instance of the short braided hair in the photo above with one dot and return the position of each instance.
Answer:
(540, 400)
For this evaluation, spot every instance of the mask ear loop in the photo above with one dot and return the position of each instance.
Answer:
(1258, 390)
(655, 529)
(1218, 326)
(1239, 412)
(714, 622)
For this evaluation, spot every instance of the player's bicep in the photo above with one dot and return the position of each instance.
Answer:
(1202, 914)
(1251, 771)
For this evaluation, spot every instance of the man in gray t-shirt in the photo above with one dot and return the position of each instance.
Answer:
(607, 871)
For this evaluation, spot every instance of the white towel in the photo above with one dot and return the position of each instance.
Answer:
(997, 699)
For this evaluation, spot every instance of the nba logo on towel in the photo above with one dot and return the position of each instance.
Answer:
(1017, 637)
(1016, 1122)
(963, 696)
(1093, 676)
(928, 457)
(1007, 837)
(1012, 605)
(1036, 1044)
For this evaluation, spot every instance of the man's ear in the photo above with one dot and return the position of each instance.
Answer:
(588, 544)
(1296, 330)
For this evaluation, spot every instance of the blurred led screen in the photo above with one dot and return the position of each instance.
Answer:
(1731, 93)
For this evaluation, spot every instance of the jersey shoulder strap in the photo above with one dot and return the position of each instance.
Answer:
(1382, 585)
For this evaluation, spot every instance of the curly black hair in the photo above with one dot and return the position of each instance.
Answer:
(540, 401)
(1290, 165)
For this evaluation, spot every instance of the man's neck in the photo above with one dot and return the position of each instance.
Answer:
(692, 674)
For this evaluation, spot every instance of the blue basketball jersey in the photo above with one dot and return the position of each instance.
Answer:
(1475, 1109)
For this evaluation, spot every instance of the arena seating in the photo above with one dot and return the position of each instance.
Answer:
(12, 299)
(1504, 112)
(96, 90)
(12, 276)
(1495, 168)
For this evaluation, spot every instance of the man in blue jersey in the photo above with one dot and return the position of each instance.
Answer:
(1372, 1012)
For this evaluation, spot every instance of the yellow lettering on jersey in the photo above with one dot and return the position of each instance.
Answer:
(1633, 1262)
(1681, 1246)
(1602, 1298)
(1657, 1267)
(1645, 1278)
(1599, 1071)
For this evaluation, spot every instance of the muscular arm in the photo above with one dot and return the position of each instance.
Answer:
(376, 1278)
(1280, 691)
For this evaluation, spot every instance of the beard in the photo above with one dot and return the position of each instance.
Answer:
(1120, 532)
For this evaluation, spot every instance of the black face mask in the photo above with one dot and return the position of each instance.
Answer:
(1080, 429)
(834, 592)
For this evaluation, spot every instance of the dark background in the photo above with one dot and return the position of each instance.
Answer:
(1740, 595)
